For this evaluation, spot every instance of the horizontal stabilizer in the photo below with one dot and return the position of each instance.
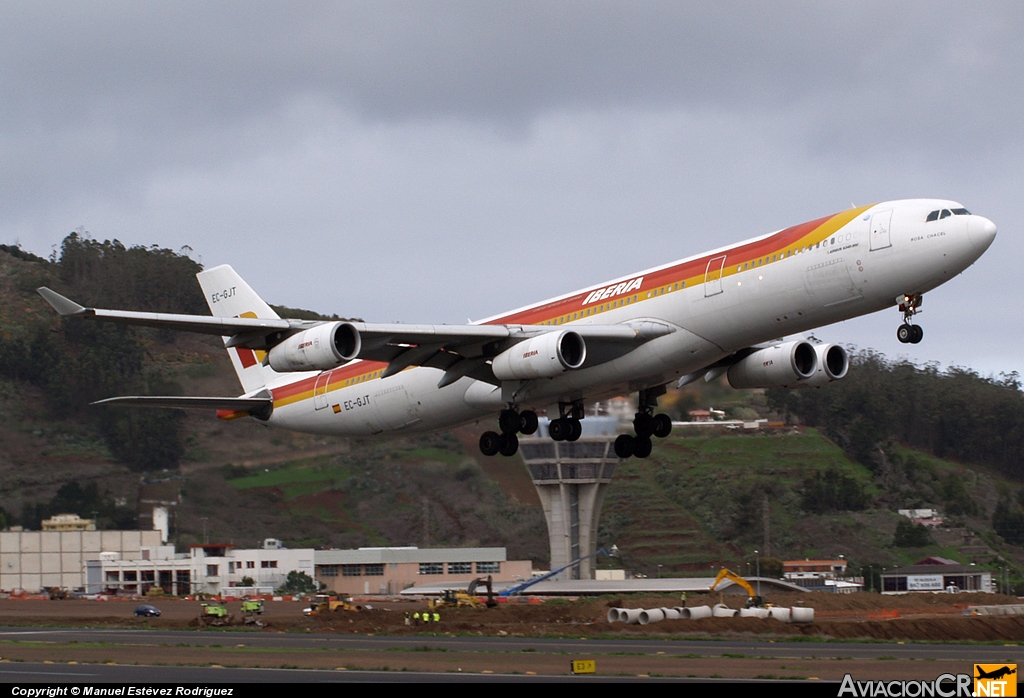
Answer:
(238, 404)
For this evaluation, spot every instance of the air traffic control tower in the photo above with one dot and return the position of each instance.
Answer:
(571, 479)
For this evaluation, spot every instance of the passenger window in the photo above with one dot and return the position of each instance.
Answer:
(933, 216)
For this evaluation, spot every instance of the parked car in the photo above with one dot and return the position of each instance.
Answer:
(147, 611)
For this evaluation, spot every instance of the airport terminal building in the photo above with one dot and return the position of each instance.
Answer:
(387, 571)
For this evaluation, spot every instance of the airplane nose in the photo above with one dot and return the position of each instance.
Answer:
(982, 232)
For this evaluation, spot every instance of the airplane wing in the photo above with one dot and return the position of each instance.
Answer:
(202, 324)
(458, 350)
(466, 350)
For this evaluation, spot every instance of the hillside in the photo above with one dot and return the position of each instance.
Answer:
(701, 501)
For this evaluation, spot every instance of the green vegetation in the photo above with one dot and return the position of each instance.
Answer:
(832, 491)
(86, 501)
(298, 583)
(1008, 521)
(76, 362)
(911, 535)
(955, 414)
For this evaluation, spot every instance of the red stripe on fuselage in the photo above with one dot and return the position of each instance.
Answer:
(679, 272)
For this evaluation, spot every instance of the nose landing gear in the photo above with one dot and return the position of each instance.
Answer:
(908, 333)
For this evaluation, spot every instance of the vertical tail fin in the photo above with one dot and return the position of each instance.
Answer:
(229, 296)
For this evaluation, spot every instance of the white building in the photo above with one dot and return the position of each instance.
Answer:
(35, 560)
(207, 569)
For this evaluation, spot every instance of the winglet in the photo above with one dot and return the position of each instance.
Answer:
(64, 306)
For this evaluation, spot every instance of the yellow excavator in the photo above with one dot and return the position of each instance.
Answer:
(753, 600)
(324, 603)
(459, 598)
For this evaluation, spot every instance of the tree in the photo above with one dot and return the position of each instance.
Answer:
(248, 582)
(771, 567)
(1008, 521)
(911, 535)
(299, 583)
(832, 491)
(955, 414)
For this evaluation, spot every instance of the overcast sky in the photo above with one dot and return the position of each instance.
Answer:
(433, 162)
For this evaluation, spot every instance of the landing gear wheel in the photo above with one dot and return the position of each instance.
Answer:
(508, 444)
(559, 429)
(904, 332)
(575, 430)
(916, 334)
(508, 421)
(489, 443)
(662, 425)
(642, 446)
(624, 446)
(643, 424)
(528, 422)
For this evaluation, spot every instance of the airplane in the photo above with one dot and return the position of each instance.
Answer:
(995, 673)
(724, 312)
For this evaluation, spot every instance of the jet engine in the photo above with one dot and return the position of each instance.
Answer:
(833, 363)
(318, 349)
(545, 356)
(781, 366)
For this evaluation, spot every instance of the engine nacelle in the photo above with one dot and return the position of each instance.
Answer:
(318, 349)
(780, 366)
(545, 356)
(833, 363)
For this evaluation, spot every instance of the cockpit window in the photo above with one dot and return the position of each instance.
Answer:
(946, 213)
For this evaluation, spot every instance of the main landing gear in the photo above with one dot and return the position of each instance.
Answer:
(646, 424)
(511, 422)
(909, 333)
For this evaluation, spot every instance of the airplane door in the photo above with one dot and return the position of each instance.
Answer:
(320, 390)
(713, 276)
(880, 223)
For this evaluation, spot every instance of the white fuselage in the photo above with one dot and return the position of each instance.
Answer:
(719, 302)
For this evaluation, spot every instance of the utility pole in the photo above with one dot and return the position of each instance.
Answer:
(766, 512)
(426, 522)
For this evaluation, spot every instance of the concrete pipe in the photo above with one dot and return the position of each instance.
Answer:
(803, 615)
(630, 615)
(672, 613)
(720, 610)
(613, 615)
(749, 612)
(651, 615)
(697, 612)
(780, 613)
